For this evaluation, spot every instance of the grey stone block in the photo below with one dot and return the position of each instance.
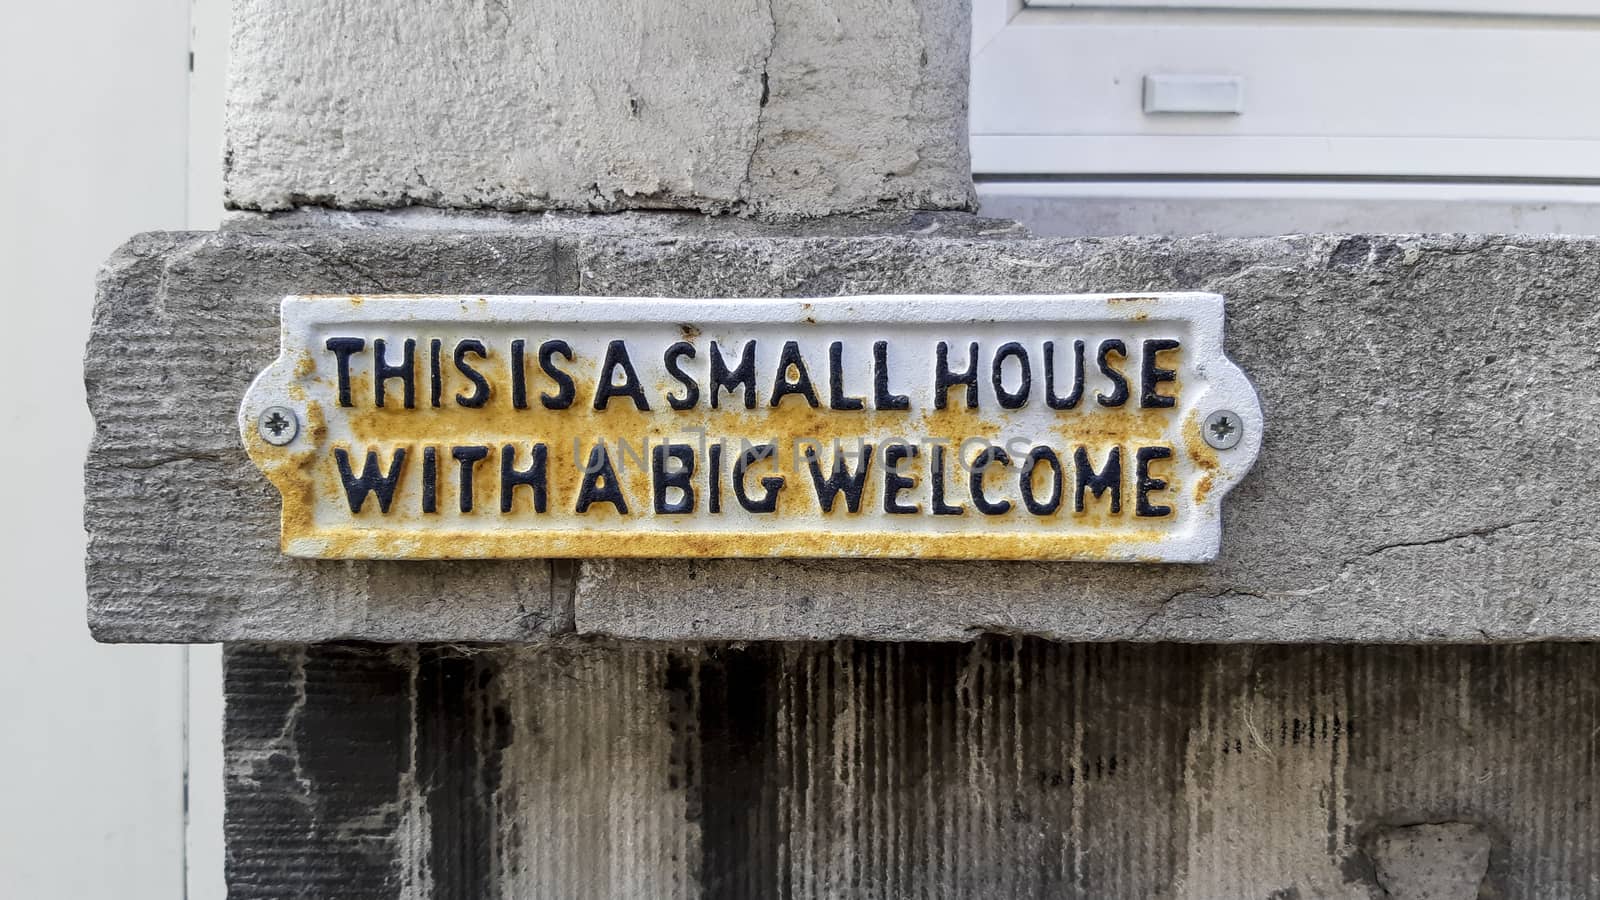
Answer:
(1432, 861)
(780, 108)
(183, 530)
(1423, 478)
(1424, 475)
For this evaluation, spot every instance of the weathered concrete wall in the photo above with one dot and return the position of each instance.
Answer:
(1009, 767)
(773, 107)
(1422, 478)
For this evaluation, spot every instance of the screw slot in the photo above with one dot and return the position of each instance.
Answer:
(1223, 429)
(278, 425)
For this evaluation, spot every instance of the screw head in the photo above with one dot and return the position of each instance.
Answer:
(1223, 429)
(277, 425)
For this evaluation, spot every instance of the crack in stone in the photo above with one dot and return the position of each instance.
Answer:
(1194, 593)
(1481, 532)
(1345, 566)
(170, 459)
(1197, 593)
(564, 592)
(338, 264)
(761, 109)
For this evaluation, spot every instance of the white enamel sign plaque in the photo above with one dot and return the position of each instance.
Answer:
(1088, 427)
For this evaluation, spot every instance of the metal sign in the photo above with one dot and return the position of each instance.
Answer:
(1088, 427)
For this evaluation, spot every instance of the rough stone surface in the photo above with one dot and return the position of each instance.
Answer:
(772, 107)
(1008, 767)
(1433, 861)
(1423, 476)
(183, 530)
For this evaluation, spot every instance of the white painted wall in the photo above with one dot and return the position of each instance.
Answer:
(208, 27)
(92, 149)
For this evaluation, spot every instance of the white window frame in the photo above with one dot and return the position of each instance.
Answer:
(1012, 42)
(1469, 7)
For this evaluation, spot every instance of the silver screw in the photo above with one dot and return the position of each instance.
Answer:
(278, 425)
(1223, 429)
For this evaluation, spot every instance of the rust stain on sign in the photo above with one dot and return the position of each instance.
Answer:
(994, 427)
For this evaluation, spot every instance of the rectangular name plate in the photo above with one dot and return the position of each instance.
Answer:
(1087, 427)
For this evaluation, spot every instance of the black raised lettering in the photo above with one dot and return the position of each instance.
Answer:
(743, 375)
(1119, 382)
(664, 480)
(468, 457)
(565, 389)
(533, 477)
(944, 379)
(936, 474)
(894, 482)
(1145, 485)
(836, 396)
(789, 359)
(1009, 400)
(882, 397)
(1152, 375)
(1036, 457)
(372, 481)
(714, 465)
(841, 479)
(406, 371)
(1071, 400)
(993, 456)
(343, 348)
(691, 388)
(480, 385)
(435, 375)
(430, 479)
(519, 375)
(600, 483)
(1109, 478)
(771, 484)
(606, 388)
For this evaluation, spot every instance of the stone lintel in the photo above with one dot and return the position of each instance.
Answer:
(1422, 478)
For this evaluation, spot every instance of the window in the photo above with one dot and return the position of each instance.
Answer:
(1451, 89)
